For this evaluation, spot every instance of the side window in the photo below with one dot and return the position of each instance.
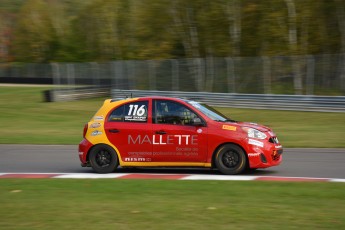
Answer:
(131, 112)
(169, 112)
(117, 114)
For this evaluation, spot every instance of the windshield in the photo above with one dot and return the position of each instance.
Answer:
(209, 111)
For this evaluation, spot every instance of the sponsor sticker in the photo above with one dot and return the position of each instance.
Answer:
(199, 131)
(96, 133)
(278, 146)
(134, 118)
(255, 142)
(253, 154)
(136, 159)
(98, 118)
(116, 118)
(163, 139)
(229, 127)
(95, 125)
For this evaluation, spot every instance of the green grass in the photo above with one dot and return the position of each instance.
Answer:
(155, 204)
(26, 119)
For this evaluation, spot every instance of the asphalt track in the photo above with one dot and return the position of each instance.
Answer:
(315, 163)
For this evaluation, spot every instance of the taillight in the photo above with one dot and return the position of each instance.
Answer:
(85, 129)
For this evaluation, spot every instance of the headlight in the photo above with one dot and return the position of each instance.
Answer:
(254, 133)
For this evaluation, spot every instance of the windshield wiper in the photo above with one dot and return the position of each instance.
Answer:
(226, 120)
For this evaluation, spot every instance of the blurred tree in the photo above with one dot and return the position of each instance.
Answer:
(341, 22)
(11, 6)
(8, 11)
(293, 45)
(153, 35)
(340, 5)
(183, 14)
(102, 30)
(4, 37)
(34, 34)
(234, 16)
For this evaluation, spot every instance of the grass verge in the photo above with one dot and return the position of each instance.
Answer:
(156, 204)
(26, 119)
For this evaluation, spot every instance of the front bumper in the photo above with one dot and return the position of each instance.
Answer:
(264, 154)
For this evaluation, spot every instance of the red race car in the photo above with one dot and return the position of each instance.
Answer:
(172, 132)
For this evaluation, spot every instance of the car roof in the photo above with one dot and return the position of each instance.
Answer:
(149, 97)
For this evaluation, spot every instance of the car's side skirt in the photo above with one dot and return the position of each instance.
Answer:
(165, 164)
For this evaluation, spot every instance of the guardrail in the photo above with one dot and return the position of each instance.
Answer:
(70, 94)
(253, 101)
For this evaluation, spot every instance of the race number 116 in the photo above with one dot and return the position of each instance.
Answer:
(135, 111)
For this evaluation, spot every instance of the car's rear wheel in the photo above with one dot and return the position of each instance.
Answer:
(103, 159)
(230, 159)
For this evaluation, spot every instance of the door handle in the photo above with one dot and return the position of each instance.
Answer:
(162, 132)
(114, 130)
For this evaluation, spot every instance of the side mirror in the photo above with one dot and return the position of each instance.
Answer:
(197, 122)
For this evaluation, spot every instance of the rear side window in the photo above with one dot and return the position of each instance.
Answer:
(117, 114)
(131, 112)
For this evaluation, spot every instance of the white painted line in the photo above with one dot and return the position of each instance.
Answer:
(90, 176)
(337, 180)
(218, 177)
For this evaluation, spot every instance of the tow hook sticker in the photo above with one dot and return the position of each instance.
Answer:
(256, 143)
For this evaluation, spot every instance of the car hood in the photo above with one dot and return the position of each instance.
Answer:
(259, 127)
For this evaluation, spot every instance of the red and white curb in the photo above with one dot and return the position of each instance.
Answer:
(165, 177)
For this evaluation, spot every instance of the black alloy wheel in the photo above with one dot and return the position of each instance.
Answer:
(230, 159)
(103, 159)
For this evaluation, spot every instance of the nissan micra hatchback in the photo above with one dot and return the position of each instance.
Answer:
(171, 132)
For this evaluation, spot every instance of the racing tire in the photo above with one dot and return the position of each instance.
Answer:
(230, 159)
(103, 159)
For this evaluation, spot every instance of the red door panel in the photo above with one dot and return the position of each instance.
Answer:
(177, 143)
(175, 138)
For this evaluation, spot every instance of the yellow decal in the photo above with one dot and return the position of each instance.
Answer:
(229, 127)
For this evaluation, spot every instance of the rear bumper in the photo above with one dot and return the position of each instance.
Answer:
(83, 150)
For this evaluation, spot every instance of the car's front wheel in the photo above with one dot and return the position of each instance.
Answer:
(103, 159)
(230, 159)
